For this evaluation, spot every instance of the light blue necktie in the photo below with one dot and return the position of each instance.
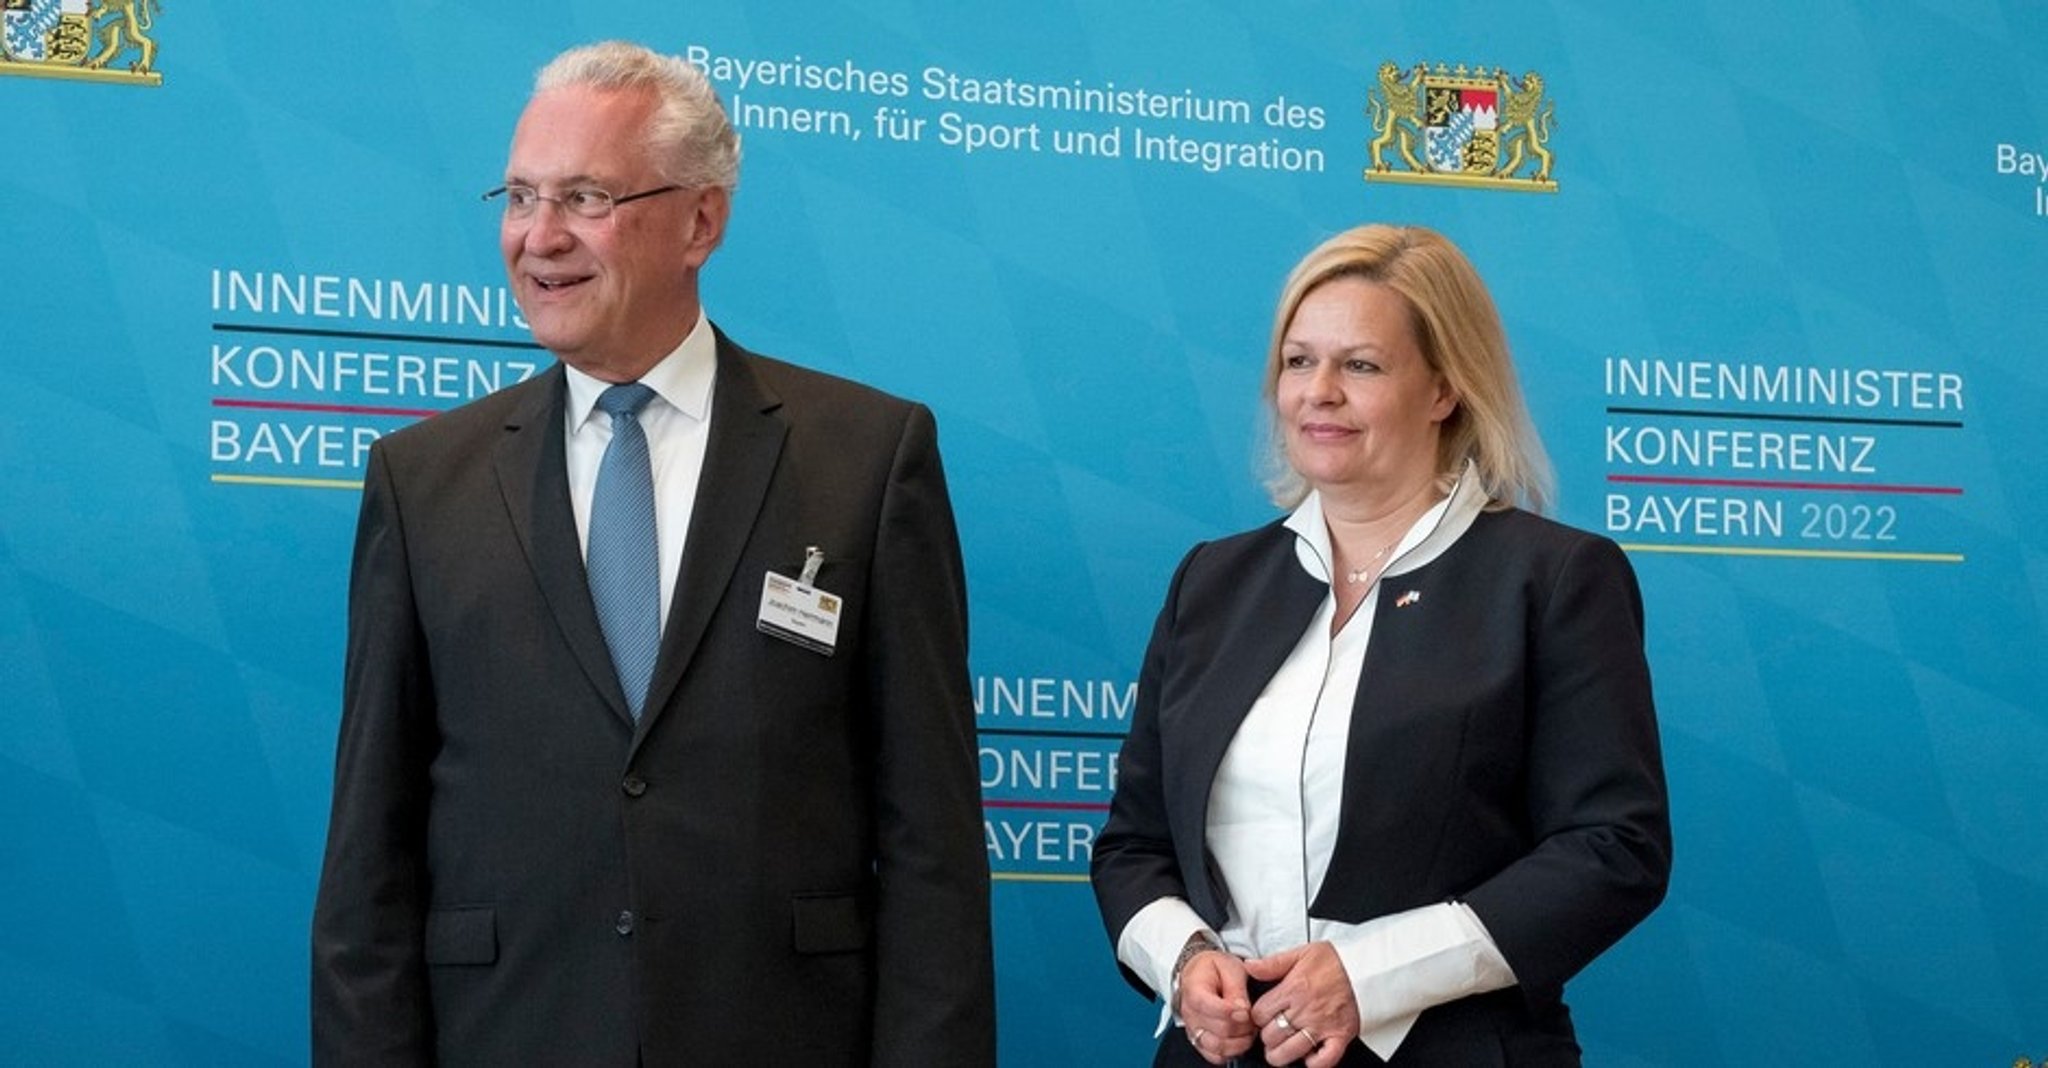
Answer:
(624, 558)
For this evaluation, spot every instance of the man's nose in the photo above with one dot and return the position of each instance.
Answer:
(547, 229)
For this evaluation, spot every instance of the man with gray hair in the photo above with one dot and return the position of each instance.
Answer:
(657, 741)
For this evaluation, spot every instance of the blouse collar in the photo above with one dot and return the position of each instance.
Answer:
(1437, 529)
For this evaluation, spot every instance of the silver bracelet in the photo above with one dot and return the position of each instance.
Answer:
(1197, 944)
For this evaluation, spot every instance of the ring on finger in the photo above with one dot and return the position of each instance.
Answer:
(1196, 1038)
(1310, 1035)
(1280, 1021)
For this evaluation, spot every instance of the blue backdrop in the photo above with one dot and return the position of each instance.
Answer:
(1774, 303)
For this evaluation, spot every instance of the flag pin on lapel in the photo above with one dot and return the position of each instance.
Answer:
(1406, 599)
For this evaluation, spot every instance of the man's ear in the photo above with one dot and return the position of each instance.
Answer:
(708, 218)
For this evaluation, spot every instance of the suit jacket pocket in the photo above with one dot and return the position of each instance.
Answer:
(462, 936)
(830, 923)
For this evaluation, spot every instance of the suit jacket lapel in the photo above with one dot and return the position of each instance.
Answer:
(533, 475)
(746, 437)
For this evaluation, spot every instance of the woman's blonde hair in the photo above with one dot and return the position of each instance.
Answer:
(1459, 332)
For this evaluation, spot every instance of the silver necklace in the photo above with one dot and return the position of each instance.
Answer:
(1356, 575)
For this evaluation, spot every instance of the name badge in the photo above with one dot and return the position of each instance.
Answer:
(798, 612)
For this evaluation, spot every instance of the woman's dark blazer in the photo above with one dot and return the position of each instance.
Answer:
(1503, 748)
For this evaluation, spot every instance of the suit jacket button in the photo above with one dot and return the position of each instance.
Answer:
(634, 786)
(625, 924)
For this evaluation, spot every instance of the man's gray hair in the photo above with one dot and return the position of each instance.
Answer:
(689, 137)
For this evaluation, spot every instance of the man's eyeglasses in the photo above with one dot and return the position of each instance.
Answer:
(583, 202)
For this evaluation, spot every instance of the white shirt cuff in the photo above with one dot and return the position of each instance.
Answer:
(1150, 944)
(1401, 964)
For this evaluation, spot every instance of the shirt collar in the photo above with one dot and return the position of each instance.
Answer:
(1438, 529)
(683, 378)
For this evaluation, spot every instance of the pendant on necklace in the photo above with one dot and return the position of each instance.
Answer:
(1356, 575)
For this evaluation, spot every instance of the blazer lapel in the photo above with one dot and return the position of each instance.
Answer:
(746, 437)
(1274, 599)
(533, 475)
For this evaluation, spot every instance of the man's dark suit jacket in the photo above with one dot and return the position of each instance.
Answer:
(1503, 752)
(780, 864)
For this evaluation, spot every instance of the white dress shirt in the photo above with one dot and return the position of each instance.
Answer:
(1274, 806)
(677, 423)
